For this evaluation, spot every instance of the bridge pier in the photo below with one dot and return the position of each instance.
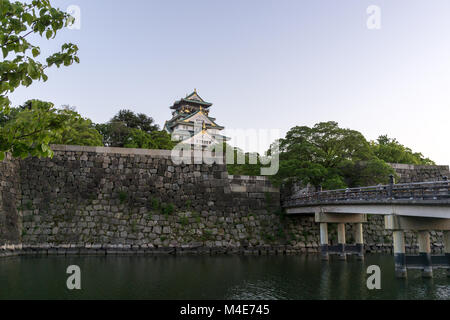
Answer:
(425, 253)
(424, 260)
(324, 241)
(447, 250)
(341, 241)
(359, 239)
(341, 249)
(399, 253)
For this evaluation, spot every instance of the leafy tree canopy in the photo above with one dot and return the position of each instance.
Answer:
(153, 140)
(116, 132)
(136, 121)
(30, 129)
(77, 130)
(390, 150)
(63, 126)
(325, 143)
(129, 130)
(20, 66)
(329, 156)
(246, 168)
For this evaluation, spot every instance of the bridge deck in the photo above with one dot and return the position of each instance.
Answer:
(425, 199)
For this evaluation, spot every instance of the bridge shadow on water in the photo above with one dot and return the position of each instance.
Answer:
(219, 277)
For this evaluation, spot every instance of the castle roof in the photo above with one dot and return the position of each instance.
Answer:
(184, 119)
(191, 99)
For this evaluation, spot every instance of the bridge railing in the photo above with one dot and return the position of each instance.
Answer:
(420, 191)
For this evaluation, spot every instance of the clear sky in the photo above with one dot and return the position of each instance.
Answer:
(264, 64)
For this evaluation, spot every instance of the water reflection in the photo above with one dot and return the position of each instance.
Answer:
(220, 277)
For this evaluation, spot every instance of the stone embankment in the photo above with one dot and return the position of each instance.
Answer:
(94, 200)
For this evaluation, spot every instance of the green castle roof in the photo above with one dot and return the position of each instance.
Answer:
(193, 98)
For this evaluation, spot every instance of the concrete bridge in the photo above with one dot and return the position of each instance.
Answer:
(420, 207)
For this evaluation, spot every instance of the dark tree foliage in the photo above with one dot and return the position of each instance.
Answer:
(329, 156)
(136, 121)
(114, 134)
(129, 130)
(246, 168)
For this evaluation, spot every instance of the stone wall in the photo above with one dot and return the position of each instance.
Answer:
(10, 220)
(420, 173)
(112, 198)
(107, 200)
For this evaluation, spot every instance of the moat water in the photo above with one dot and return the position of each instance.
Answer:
(219, 277)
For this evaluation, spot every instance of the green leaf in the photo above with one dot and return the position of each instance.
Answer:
(27, 82)
(35, 52)
(49, 34)
(28, 18)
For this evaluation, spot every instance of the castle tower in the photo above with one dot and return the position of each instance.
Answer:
(191, 122)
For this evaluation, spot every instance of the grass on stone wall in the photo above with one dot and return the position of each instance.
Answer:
(167, 209)
(184, 221)
(123, 196)
(133, 226)
(305, 235)
(280, 212)
(154, 203)
(268, 237)
(207, 235)
(281, 234)
(164, 208)
(29, 205)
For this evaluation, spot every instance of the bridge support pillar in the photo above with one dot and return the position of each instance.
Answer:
(324, 241)
(399, 253)
(447, 249)
(341, 241)
(359, 240)
(425, 253)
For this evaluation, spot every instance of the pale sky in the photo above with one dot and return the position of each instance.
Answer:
(264, 64)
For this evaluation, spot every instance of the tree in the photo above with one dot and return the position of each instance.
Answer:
(137, 121)
(325, 143)
(117, 131)
(366, 173)
(153, 140)
(114, 133)
(65, 127)
(329, 156)
(246, 168)
(77, 130)
(390, 150)
(31, 129)
(129, 130)
(20, 67)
